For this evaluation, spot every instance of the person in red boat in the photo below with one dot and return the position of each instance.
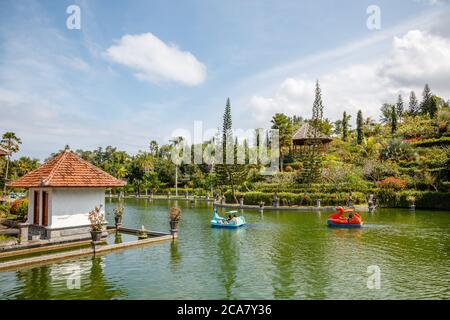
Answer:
(350, 217)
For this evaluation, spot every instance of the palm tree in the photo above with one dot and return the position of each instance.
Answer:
(175, 143)
(10, 142)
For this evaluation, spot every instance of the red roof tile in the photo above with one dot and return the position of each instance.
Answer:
(67, 169)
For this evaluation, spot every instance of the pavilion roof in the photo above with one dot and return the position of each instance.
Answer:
(67, 169)
(306, 132)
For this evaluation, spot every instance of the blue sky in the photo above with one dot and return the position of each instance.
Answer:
(138, 70)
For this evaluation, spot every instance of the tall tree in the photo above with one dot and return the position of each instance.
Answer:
(386, 113)
(154, 148)
(393, 120)
(227, 134)
(399, 107)
(317, 112)
(413, 109)
(345, 125)
(10, 143)
(227, 173)
(428, 105)
(359, 127)
(312, 162)
(176, 142)
(283, 124)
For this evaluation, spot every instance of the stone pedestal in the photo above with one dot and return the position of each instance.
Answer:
(23, 232)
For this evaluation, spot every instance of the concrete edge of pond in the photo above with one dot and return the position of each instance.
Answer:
(362, 208)
(283, 208)
(101, 249)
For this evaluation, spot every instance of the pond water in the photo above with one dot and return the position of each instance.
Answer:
(279, 255)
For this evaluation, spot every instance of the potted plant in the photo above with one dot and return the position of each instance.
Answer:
(118, 213)
(174, 218)
(412, 202)
(97, 218)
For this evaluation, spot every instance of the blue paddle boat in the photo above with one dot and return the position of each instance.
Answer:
(219, 222)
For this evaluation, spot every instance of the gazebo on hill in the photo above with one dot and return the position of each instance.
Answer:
(304, 138)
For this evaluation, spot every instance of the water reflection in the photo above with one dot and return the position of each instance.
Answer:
(117, 237)
(227, 244)
(175, 256)
(80, 279)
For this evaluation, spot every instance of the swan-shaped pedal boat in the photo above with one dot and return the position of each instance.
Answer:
(219, 222)
(338, 219)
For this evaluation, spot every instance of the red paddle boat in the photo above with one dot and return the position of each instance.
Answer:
(338, 219)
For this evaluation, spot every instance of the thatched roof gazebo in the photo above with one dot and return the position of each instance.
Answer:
(304, 138)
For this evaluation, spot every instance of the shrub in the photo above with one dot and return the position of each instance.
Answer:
(4, 210)
(423, 199)
(293, 199)
(19, 208)
(392, 183)
(443, 141)
(397, 150)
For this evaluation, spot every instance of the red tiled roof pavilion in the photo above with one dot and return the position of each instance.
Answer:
(67, 170)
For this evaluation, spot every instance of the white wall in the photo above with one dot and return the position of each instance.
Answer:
(70, 207)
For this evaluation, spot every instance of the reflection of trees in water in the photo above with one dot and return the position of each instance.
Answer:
(34, 283)
(175, 256)
(299, 258)
(228, 255)
(55, 281)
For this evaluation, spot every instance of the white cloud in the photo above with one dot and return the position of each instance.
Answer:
(156, 61)
(416, 58)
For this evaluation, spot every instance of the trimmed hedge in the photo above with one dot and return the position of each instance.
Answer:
(314, 188)
(424, 199)
(443, 141)
(292, 199)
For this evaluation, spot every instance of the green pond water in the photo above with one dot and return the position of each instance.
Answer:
(279, 255)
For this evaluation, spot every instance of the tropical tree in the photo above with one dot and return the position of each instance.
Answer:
(345, 125)
(386, 112)
(10, 143)
(176, 142)
(283, 124)
(154, 148)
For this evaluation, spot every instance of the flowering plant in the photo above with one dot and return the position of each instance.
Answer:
(175, 214)
(118, 211)
(97, 218)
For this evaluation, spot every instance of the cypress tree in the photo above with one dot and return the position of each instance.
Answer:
(317, 106)
(345, 125)
(413, 104)
(427, 105)
(400, 108)
(231, 174)
(359, 127)
(227, 134)
(393, 120)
